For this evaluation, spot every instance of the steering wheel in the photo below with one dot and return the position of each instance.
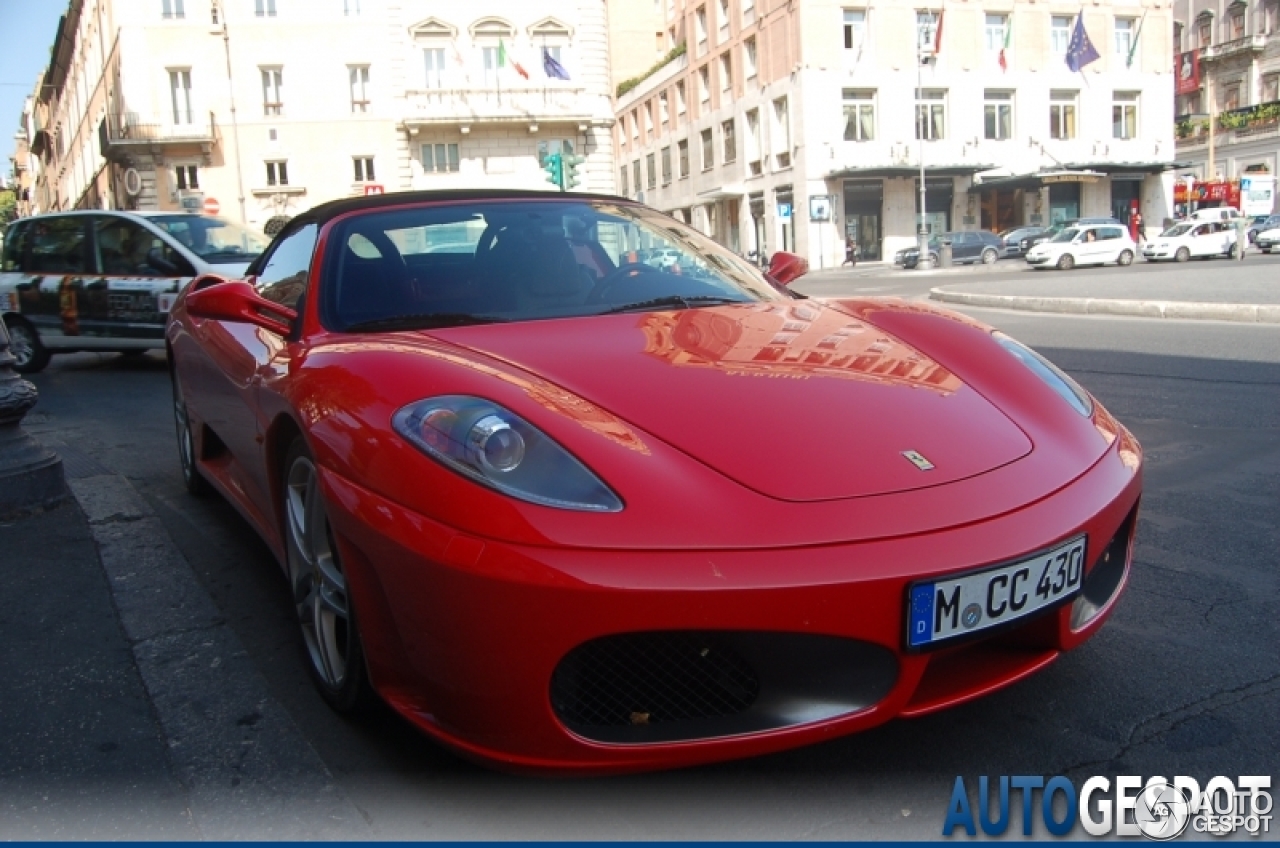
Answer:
(616, 276)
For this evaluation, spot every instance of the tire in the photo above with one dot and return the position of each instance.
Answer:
(1066, 262)
(332, 649)
(1182, 255)
(1126, 258)
(1233, 252)
(30, 356)
(191, 476)
(989, 256)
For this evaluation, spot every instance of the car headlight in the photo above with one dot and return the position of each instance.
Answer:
(497, 448)
(1068, 388)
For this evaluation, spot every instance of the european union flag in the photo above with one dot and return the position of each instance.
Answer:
(1080, 51)
(921, 616)
(554, 69)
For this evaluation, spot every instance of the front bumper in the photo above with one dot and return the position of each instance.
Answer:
(1037, 259)
(472, 640)
(1154, 252)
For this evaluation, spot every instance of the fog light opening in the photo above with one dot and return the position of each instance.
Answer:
(1107, 576)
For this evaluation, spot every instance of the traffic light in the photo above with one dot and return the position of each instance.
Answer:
(572, 170)
(554, 167)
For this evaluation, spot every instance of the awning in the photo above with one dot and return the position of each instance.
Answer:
(909, 171)
(1036, 180)
(1128, 167)
(736, 190)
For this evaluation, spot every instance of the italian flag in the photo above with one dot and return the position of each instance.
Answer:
(502, 60)
(1004, 48)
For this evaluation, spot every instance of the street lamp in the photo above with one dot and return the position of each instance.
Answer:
(923, 56)
(30, 475)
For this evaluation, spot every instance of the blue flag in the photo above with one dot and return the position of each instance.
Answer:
(1080, 51)
(554, 69)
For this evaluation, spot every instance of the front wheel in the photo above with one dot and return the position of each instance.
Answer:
(29, 355)
(1066, 262)
(989, 256)
(1182, 255)
(330, 636)
(1126, 258)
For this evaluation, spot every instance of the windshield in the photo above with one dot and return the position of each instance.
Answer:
(1177, 230)
(1066, 235)
(215, 240)
(479, 262)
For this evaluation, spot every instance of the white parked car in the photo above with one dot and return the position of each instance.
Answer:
(1201, 239)
(104, 280)
(1268, 240)
(1092, 244)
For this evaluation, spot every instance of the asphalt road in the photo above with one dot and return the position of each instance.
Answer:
(1185, 678)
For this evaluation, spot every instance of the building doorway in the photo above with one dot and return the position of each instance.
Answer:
(759, 244)
(939, 197)
(1125, 195)
(1064, 202)
(1002, 210)
(863, 204)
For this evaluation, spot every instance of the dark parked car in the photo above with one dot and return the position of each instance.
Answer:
(1029, 242)
(1013, 239)
(1262, 223)
(966, 248)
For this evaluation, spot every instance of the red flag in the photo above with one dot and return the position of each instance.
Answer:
(519, 69)
(937, 35)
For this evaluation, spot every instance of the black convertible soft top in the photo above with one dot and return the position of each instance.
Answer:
(332, 209)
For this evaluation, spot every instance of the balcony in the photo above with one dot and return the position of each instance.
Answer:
(1248, 45)
(435, 107)
(120, 134)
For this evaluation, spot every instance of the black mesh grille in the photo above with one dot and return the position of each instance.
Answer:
(651, 678)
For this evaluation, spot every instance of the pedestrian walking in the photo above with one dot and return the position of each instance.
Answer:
(850, 252)
(1135, 226)
(1242, 236)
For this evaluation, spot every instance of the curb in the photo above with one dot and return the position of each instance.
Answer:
(1244, 313)
(248, 770)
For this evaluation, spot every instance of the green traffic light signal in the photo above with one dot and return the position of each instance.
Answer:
(572, 172)
(554, 166)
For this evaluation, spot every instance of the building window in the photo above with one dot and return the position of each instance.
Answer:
(648, 120)
(754, 147)
(172, 9)
(635, 125)
(1124, 114)
(859, 115)
(440, 158)
(927, 31)
(186, 177)
(749, 58)
(264, 8)
(996, 27)
(666, 166)
(359, 76)
(622, 180)
(726, 75)
(1270, 88)
(724, 21)
(1124, 37)
(1062, 114)
(1060, 34)
(664, 109)
(729, 133)
(855, 28)
(748, 12)
(272, 91)
(682, 155)
(997, 115)
(433, 58)
(931, 114)
(782, 133)
(708, 151)
(1177, 37)
(704, 87)
(1270, 17)
(635, 173)
(213, 13)
(1231, 96)
(700, 17)
(278, 173)
(1236, 23)
(363, 168)
(651, 170)
(681, 98)
(180, 96)
(351, 8)
(1204, 29)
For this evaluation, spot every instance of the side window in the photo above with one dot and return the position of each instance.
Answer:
(283, 278)
(58, 245)
(125, 248)
(14, 238)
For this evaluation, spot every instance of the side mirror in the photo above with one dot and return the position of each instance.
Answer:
(787, 267)
(220, 299)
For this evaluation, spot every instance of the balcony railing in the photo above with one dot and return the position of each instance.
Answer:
(494, 105)
(1235, 47)
(130, 127)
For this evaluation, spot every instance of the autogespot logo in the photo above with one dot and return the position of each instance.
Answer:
(1158, 809)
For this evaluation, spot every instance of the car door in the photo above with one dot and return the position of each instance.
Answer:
(50, 285)
(1203, 239)
(961, 247)
(231, 359)
(138, 276)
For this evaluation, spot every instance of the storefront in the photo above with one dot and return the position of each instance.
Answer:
(1126, 195)
(939, 196)
(1064, 201)
(863, 208)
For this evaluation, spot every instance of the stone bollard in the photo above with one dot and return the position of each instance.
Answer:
(30, 474)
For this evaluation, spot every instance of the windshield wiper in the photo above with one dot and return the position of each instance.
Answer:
(423, 321)
(673, 300)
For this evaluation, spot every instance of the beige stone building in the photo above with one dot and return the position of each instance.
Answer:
(1229, 62)
(260, 108)
(791, 124)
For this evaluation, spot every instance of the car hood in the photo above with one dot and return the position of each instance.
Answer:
(797, 401)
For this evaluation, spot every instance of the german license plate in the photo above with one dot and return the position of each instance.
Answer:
(939, 611)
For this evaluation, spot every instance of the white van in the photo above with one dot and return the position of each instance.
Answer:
(1220, 213)
(104, 280)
